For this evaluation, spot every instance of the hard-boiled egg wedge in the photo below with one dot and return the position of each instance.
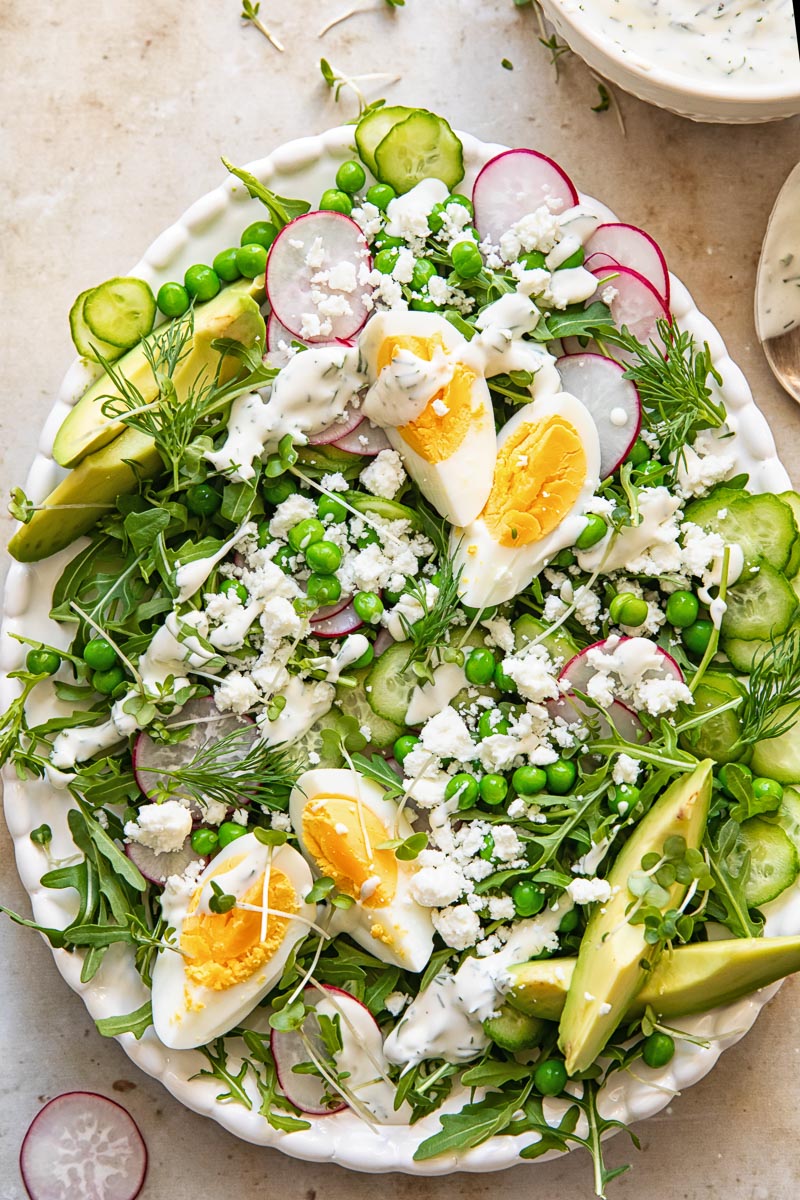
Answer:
(224, 963)
(548, 465)
(435, 408)
(341, 819)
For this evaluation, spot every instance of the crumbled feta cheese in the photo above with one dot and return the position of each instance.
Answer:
(507, 845)
(626, 769)
(699, 548)
(334, 482)
(395, 1002)
(289, 513)
(499, 632)
(600, 690)
(447, 736)
(538, 230)
(404, 267)
(161, 827)
(236, 693)
(436, 887)
(587, 891)
(501, 908)
(458, 926)
(534, 674)
(281, 820)
(704, 464)
(385, 475)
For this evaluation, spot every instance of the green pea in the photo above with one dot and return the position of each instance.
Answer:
(229, 831)
(569, 922)
(623, 799)
(324, 589)
(767, 787)
(638, 454)
(260, 233)
(202, 282)
(464, 201)
(351, 177)
(682, 609)
(486, 852)
(466, 258)
(381, 195)
(173, 299)
(370, 537)
(574, 260)
(46, 662)
(493, 789)
(365, 659)
(107, 682)
(424, 270)
(328, 507)
(658, 1049)
(593, 532)
(386, 260)
(532, 260)
(334, 200)
(528, 898)
(491, 722)
(465, 786)
(697, 636)
(324, 557)
(385, 241)
(404, 745)
(628, 609)
(368, 606)
(305, 533)
(264, 535)
(202, 499)
(561, 776)
(550, 1077)
(391, 597)
(480, 666)
(423, 304)
(225, 265)
(238, 589)
(251, 260)
(653, 469)
(205, 841)
(99, 654)
(528, 781)
(278, 491)
(503, 681)
(284, 559)
(564, 558)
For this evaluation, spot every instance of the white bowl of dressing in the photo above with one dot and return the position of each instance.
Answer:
(733, 61)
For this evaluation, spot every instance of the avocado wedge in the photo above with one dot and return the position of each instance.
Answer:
(233, 313)
(690, 980)
(94, 486)
(609, 971)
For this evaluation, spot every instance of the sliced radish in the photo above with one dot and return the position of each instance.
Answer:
(350, 419)
(157, 867)
(573, 711)
(152, 760)
(84, 1146)
(629, 650)
(633, 301)
(345, 620)
(279, 343)
(629, 246)
(366, 439)
(612, 401)
(382, 642)
(516, 183)
(338, 251)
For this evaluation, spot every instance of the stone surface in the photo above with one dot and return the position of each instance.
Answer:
(116, 115)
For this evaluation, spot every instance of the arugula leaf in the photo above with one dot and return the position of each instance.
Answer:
(120, 862)
(575, 322)
(281, 210)
(143, 527)
(474, 1124)
(731, 870)
(136, 1022)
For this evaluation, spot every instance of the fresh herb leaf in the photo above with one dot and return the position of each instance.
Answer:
(475, 1123)
(772, 702)
(137, 1022)
(730, 868)
(281, 210)
(250, 13)
(604, 103)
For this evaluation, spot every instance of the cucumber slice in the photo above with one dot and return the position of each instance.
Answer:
(423, 146)
(354, 702)
(793, 501)
(513, 1030)
(716, 737)
(85, 342)
(559, 644)
(764, 526)
(390, 682)
(377, 506)
(314, 741)
(742, 654)
(774, 865)
(788, 816)
(372, 129)
(121, 311)
(779, 757)
(760, 605)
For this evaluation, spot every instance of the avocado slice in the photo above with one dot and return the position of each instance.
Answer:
(233, 313)
(690, 980)
(609, 970)
(96, 483)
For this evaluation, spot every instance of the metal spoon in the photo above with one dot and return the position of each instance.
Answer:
(777, 305)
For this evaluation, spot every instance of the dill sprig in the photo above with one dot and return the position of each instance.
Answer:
(231, 771)
(771, 705)
(429, 633)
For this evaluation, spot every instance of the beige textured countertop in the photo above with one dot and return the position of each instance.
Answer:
(116, 114)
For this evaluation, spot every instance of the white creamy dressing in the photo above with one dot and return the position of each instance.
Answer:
(306, 700)
(405, 387)
(713, 578)
(446, 1019)
(428, 699)
(354, 646)
(657, 507)
(192, 575)
(778, 283)
(362, 1061)
(751, 42)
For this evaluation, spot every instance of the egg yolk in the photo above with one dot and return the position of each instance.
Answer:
(333, 833)
(224, 949)
(441, 427)
(540, 471)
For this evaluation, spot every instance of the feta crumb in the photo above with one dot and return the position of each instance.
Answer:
(458, 926)
(395, 1002)
(384, 476)
(236, 693)
(587, 891)
(289, 513)
(436, 887)
(626, 769)
(334, 482)
(161, 827)
(501, 908)
(447, 736)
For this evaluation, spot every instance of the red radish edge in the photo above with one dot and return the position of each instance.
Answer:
(382, 642)
(615, 441)
(609, 229)
(567, 671)
(345, 621)
(39, 1187)
(331, 610)
(623, 276)
(492, 163)
(338, 430)
(157, 866)
(374, 441)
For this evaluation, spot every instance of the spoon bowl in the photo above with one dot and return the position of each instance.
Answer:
(777, 301)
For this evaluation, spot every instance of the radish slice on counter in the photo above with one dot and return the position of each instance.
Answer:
(158, 866)
(628, 246)
(573, 711)
(344, 620)
(612, 401)
(349, 421)
(152, 761)
(516, 183)
(578, 671)
(86, 1146)
(308, 1092)
(330, 250)
(366, 439)
(633, 301)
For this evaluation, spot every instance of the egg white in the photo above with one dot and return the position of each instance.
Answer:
(459, 486)
(408, 923)
(492, 573)
(186, 1014)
